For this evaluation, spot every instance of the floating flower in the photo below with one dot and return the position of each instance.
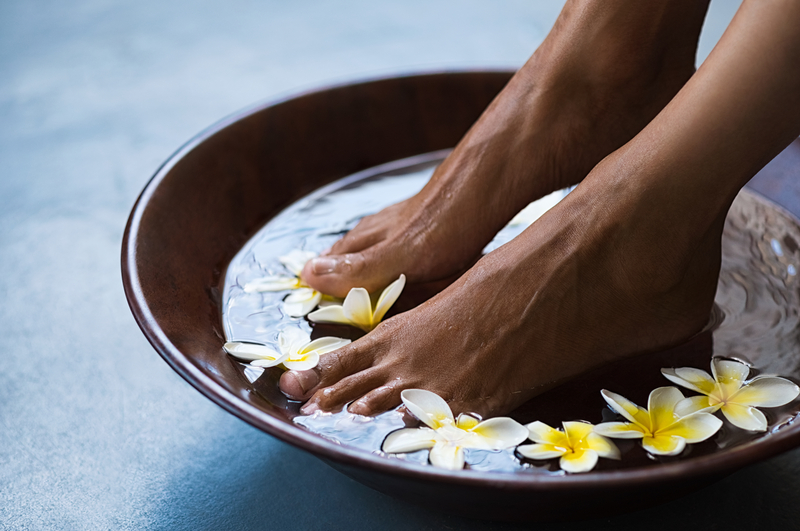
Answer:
(446, 436)
(303, 298)
(578, 446)
(297, 351)
(727, 391)
(357, 309)
(663, 432)
(251, 352)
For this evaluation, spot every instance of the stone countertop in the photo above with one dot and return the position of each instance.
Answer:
(96, 431)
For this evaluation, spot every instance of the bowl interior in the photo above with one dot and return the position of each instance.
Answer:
(206, 201)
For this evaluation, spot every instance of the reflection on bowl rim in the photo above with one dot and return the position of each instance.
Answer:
(720, 463)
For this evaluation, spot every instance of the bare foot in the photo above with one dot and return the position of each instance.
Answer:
(627, 263)
(584, 93)
(583, 286)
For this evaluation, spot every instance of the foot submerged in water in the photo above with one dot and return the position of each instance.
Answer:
(581, 287)
(555, 302)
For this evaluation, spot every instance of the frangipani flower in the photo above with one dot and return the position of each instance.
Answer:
(578, 445)
(357, 309)
(727, 391)
(303, 298)
(446, 436)
(297, 351)
(663, 432)
(251, 352)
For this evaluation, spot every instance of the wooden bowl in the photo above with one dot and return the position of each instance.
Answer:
(204, 203)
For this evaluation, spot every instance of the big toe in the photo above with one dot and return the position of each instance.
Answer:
(333, 367)
(299, 385)
(337, 274)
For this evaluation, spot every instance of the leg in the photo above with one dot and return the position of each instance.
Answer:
(605, 70)
(626, 263)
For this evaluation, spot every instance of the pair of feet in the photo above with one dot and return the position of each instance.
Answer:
(599, 277)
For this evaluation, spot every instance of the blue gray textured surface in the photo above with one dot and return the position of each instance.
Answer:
(96, 432)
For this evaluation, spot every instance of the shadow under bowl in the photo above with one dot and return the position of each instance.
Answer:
(211, 196)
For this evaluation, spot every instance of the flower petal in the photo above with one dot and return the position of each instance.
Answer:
(409, 440)
(620, 430)
(542, 433)
(271, 283)
(323, 345)
(729, 373)
(661, 406)
(295, 260)
(694, 428)
(291, 339)
(328, 300)
(329, 314)
(301, 301)
(428, 407)
(265, 363)
(766, 391)
(744, 417)
(447, 456)
(693, 404)
(387, 298)
(358, 308)
(465, 421)
(627, 409)
(541, 451)
(450, 433)
(576, 432)
(302, 362)
(693, 379)
(578, 461)
(602, 446)
(498, 433)
(251, 351)
(664, 444)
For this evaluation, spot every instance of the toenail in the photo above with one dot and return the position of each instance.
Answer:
(306, 380)
(324, 265)
(359, 407)
(309, 409)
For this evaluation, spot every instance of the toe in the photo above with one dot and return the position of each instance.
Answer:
(299, 385)
(336, 274)
(378, 400)
(337, 395)
(357, 240)
(333, 366)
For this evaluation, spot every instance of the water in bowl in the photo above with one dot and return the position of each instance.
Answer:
(755, 319)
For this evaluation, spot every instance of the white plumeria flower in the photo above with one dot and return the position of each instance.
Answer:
(446, 436)
(357, 309)
(303, 298)
(578, 446)
(302, 353)
(663, 432)
(251, 352)
(297, 351)
(728, 391)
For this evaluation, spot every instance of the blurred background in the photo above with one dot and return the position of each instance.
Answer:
(96, 432)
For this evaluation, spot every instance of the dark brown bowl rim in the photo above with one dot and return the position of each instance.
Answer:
(717, 464)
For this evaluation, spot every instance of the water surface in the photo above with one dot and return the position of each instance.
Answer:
(755, 319)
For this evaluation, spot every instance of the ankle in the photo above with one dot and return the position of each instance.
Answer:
(622, 44)
(629, 205)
